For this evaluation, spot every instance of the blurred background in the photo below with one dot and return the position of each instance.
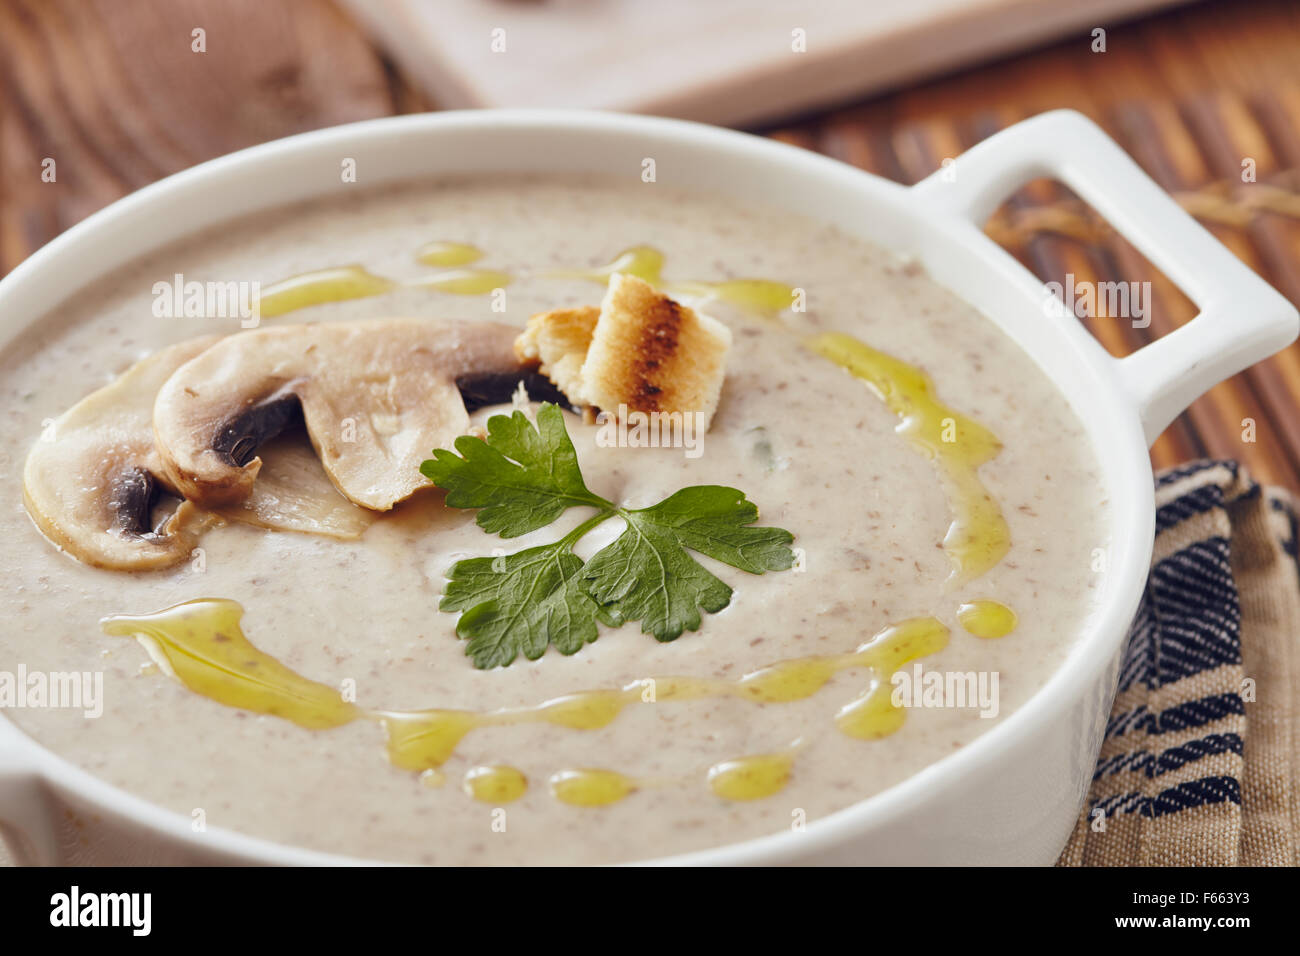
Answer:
(1206, 96)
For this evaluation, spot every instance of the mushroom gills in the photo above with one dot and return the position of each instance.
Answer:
(131, 501)
(239, 438)
(483, 389)
(141, 507)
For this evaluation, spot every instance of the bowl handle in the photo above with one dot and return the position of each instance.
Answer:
(1242, 319)
(25, 823)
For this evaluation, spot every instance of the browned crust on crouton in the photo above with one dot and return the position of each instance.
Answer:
(653, 354)
(655, 348)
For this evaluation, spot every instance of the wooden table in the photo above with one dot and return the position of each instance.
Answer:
(112, 91)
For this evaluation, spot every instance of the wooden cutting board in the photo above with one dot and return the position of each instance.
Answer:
(722, 61)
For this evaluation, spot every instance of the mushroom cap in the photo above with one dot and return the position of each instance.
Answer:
(89, 480)
(376, 397)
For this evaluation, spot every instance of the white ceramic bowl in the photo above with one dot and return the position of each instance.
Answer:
(1012, 795)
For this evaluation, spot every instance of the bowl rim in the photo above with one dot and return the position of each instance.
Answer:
(1127, 469)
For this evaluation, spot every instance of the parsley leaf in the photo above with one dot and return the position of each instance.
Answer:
(647, 575)
(713, 519)
(520, 603)
(522, 478)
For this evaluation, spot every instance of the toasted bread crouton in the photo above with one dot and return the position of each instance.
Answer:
(559, 340)
(653, 354)
(640, 349)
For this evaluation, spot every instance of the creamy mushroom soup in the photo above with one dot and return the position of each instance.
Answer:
(279, 662)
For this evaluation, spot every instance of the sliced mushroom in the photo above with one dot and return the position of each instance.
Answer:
(376, 397)
(94, 481)
(91, 482)
(293, 493)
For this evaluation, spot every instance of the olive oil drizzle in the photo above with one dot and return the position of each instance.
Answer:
(442, 253)
(339, 283)
(987, 619)
(465, 281)
(319, 287)
(978, 537)
(201, 644)
(752, 778)
(647, 264)
(644, 262)
(589, 787)
(354, 282)
(418, 740)
(495, 783)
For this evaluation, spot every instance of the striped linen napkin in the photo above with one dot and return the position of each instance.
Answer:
(1200, 765)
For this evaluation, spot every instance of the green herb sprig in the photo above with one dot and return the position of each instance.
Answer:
(521, 478)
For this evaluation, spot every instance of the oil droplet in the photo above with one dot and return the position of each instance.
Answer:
(448, 254)
(422, 739)
(644, 262)
(201, 644)
(978, 537)
(495, 784)
(432, 778)
(756, 295)
(751, 778)
(466, 281)
(987, 619)
(590, 788)
(315, 288)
